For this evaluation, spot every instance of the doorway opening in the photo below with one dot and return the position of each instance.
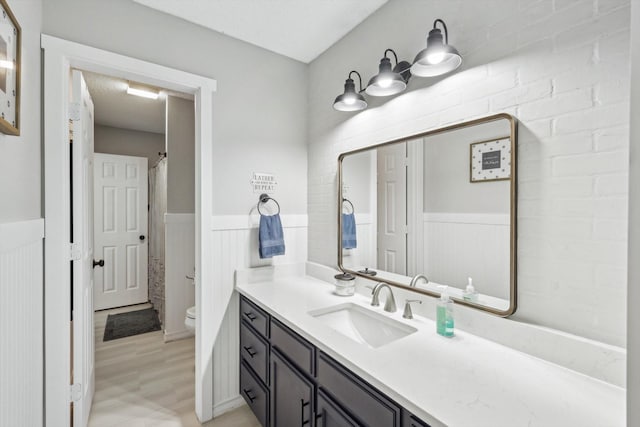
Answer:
(120, 144)
(60, 57)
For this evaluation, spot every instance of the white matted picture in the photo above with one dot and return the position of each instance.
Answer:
(490, 160)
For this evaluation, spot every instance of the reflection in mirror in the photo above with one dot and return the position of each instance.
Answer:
(440, 204)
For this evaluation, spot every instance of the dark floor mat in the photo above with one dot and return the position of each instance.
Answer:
(132, 323)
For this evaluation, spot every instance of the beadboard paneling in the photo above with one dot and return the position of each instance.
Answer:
(180, 245)
(237, 248)
(21, 326)
(479, 243)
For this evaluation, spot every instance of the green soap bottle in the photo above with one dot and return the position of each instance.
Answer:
(444, 313)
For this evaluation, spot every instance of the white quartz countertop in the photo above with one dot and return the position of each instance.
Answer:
(457, 382)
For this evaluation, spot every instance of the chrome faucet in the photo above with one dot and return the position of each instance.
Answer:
(417, 277)
(390, 302)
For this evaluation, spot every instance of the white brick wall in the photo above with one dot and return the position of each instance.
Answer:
(562, 68)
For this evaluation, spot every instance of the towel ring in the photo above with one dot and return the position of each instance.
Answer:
(351, 204)
(264, 198)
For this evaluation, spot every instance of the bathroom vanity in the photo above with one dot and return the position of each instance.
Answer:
(308, 358)
(288, 381)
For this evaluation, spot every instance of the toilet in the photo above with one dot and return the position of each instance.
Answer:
(190, 319)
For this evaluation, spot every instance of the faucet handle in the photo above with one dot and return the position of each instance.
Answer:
(408, 314)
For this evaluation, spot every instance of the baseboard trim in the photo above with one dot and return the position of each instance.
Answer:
(228, 405)
(174, 336)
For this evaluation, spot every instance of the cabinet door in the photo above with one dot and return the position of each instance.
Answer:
(291, 394)
(329, 414)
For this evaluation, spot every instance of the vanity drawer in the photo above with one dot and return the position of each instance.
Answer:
(255, 351)
(254, 316)
(363, 402)
(295, 348)
(410, 420)
(254, 393)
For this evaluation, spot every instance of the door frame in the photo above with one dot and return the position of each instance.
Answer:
(59, 57)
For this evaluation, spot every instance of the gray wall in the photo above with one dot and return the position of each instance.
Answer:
(447, 188)
(126, 142)
(260, 106)
(358, 175)
(633, 296)
(21, 340)
(181, 151)
(20, 176)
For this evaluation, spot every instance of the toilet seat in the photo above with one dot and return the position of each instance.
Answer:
(191, 312)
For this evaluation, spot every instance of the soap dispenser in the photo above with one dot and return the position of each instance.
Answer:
(444, 313)
(470, 293)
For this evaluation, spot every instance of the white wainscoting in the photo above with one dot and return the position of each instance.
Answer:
(180, 235)
(235, 246)
(21, 327)
(479, 242)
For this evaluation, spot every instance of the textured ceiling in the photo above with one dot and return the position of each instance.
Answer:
(299, 29)
(114, 107)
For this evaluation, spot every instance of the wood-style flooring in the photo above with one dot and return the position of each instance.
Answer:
(143, 382)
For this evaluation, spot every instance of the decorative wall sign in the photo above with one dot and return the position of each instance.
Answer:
(491, 160)
(9, 71)
(263, 182)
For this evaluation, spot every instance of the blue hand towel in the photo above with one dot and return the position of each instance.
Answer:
(270, 236)
(349, 231)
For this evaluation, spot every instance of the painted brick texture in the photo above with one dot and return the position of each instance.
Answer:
(562, 69)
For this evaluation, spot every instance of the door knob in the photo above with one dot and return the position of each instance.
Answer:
(141, 238)
(100, 263)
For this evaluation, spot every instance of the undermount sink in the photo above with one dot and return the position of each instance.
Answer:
(362, 325)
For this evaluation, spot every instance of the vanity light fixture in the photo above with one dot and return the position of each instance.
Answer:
(141, 91)
(389, 81)
(350, 100)
(438, 57)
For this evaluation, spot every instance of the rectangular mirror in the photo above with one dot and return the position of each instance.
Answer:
(441, 204)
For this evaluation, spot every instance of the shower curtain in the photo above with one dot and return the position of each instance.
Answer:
(157, 209)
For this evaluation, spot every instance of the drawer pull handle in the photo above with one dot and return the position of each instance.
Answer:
(248, 394)
(302, 406)
(250, 351)
(250, 315)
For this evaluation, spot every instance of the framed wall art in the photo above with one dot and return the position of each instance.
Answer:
(490, 160)
(9, 71)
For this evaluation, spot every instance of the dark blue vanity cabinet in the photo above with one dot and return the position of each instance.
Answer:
(288, 382)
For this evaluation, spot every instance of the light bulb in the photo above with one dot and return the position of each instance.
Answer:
(435, 58)
(349, 100)
(385, 82)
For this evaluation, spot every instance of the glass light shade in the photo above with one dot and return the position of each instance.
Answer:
(386, 82)
(350, 100)
(437, 59)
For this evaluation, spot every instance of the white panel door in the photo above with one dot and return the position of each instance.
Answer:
(392, 208)
(121, 198)
(82, 228)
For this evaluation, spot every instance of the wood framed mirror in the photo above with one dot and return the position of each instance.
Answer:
(442, 204)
